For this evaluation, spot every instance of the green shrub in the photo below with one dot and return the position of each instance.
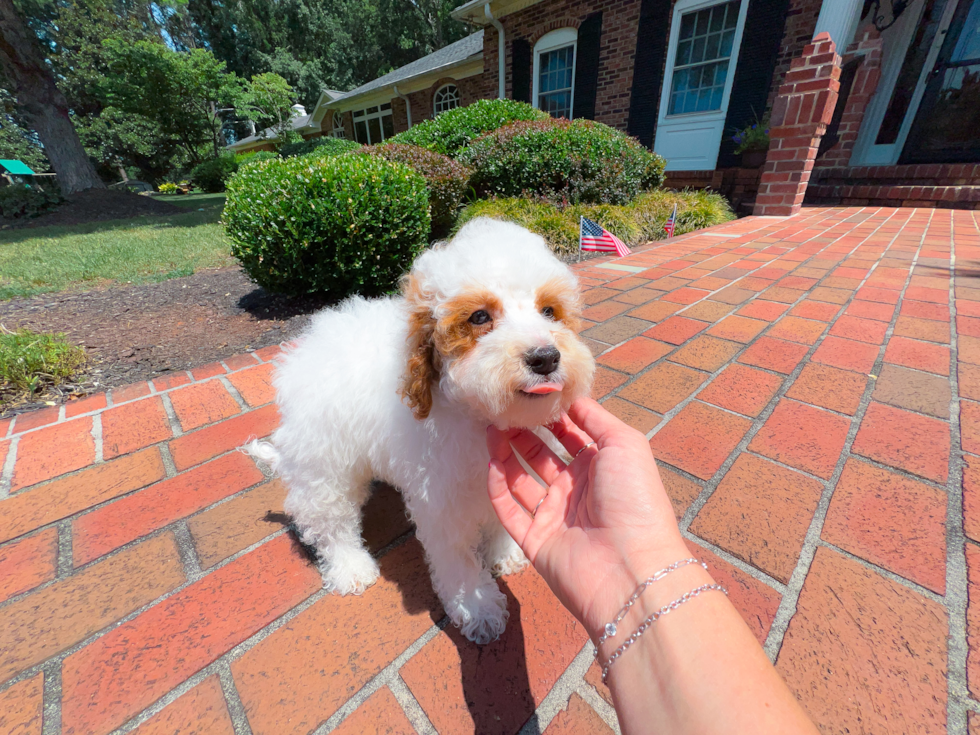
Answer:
(455, 129)
(30, 361)
(19, 200)
(319, 146)
(447, 180)
(334, 226)
(168, 187)
(635, 223)
(253, 156)
(577, 162)
(212, 175)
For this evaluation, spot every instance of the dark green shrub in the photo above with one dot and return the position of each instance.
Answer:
(334, 226)
(320, 146)
(576, 162)
(447, 180)
(252, 156)
(211, 176)
(19, 200)
(455, 129)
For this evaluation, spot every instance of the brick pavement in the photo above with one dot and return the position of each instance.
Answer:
(810, 386)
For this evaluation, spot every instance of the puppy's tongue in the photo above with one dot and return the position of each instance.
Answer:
(543, 388)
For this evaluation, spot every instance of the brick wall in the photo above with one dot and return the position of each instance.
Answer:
(801, 21)
(947, 185)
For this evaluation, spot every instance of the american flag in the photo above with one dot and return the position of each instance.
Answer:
(671, 222)
(594, 238)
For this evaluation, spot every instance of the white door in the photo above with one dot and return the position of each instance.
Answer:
(704, 40)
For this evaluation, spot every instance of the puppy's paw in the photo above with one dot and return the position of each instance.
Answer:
(350, 573)
(509, 563)
(483, 616)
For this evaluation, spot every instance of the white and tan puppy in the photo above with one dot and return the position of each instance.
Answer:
(402, 390)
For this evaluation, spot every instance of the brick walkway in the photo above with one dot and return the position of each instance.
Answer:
(813, 412)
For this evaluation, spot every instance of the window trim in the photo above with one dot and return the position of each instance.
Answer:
(341, 129)
(380, 111)
(435, 95)
(553, 41)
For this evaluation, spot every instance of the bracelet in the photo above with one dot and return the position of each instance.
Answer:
(653, 619)
(610, 629)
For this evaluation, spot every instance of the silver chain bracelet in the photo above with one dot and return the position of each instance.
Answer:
(653, 619)
(610, 629)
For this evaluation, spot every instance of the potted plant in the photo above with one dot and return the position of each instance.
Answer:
(753, 143)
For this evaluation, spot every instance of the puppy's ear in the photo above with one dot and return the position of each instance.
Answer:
(421, 373)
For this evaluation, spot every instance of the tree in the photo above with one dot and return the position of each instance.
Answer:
(267, 101)
(41, 104)
(119, 140)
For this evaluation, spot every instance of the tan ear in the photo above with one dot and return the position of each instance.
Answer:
(421, 371)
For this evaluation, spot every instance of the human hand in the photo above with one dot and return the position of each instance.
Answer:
(603, 524)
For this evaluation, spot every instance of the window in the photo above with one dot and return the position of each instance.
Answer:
(338, 126)
(374, 124)
(445, 98)
(704, 49)
(554, 72)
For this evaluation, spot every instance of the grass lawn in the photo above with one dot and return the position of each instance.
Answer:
(141, 250)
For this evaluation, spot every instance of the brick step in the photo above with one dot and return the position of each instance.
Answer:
(933, 174)
(883, 194)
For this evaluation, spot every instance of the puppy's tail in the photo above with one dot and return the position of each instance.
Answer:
(264, 452)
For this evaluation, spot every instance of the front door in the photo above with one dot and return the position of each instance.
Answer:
(704, 42)
(947, 124)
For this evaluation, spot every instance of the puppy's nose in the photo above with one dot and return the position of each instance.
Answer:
(542, 360)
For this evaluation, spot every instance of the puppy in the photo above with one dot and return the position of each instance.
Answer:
(403, 389)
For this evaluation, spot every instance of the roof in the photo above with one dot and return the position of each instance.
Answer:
(474, 12)
(16, 167)
(300, 121)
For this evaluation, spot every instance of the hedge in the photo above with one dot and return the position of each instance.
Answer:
(332, 226)
(19, 200)
(578, 161)
(212, 175)
(318, 146)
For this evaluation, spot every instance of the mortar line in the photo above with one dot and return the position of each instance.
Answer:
(736, 562)
(97, 436)
(65, 560)
(410, 706)
(557, 698)
(233, 700)
(7, 470)
(602, 708)
(884, 572)
(168, 407)
(51, 699)
(234, 392)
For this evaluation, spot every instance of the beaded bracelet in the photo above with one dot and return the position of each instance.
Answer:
(653, 619)
(610, 629)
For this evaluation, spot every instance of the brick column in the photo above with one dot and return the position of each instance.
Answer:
(800, 114)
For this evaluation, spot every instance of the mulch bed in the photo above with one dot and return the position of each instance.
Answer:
(134, 333)
(96, 205)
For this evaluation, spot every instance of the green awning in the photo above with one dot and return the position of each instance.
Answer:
(18, 168)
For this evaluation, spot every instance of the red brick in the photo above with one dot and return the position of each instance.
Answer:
(922, 310)
(870, 310)
(130, 392)
(46, 504)
(27, 563)
(638, 296)
(635, 355)
(460, 685)
(663, 386)
(881, 295)
(973, 618)
(849, 675)
(202, 445)
(208, 371)
(606, 381)
(738, 329)
(255, 384)
(685, 295)
(36, 419)
(83, 405)
(847, 354)
(892, 521)
(699, 439)
(742, 389)
(911, 353)
(681, 491)
(706, 353)
(379, 715)
(914, 390)
(237, 362)
(768, 311)
(143, 512)
(971, 497)
(831, 295)
(639, 418)
(707, 311)
(593, 676)
(303, 672)
(605, 310)
(21, 707)
(760, 512)
(968, 308)
(794, 329)
(268, 354)
(819, 310)
(171, 380)
(774, 354)
(149, 655)
(861, 330)
(968, 350)
(50, 620)
(798, 282)
(202, 403)
(802, 436)
(616, 330)
(53, 451)
(202, 711)
(134, 426)
(968, 377)
(905, 440)
(934, 295)
(970, 426)
(756, 602)
(655, 312)
(926, 329)
(829, 387)
(675, 330)
(578, 719)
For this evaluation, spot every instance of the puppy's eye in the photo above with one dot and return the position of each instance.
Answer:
(479, 317)
(548, 312)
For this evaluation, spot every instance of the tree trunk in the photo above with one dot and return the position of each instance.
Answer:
(42, 104)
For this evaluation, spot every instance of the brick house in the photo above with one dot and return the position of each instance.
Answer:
(871, 101)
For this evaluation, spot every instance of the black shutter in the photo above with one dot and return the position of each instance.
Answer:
(764, 25)
(520, 59)
(587, 66)
(648, 69)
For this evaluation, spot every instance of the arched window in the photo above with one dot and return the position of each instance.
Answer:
(338, 126)
(554, 72)
(445, 98)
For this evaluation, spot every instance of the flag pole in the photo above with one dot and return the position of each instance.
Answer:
(580, 238)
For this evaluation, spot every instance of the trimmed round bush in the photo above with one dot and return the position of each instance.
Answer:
(567, 162)
(211, 176)
(253, 156)
(319, 147)
(447, 180)
(333, 226)
(453, 130)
